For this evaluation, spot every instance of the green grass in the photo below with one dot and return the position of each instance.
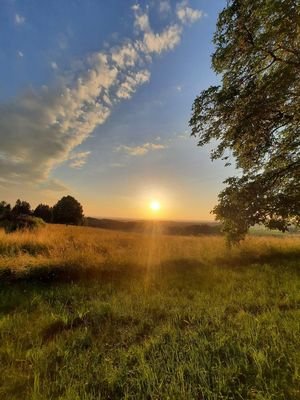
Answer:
(198, 324)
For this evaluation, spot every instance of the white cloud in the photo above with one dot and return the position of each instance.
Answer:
(131, 82)
(157, 42)
(127, 55)
(166, 40)
(187, 14)
(140, 150)
(41, 128)
(77, 160)
(54, 65)
(19, 19)
(142, 22)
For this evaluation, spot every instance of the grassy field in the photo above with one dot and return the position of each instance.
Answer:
(93, 314)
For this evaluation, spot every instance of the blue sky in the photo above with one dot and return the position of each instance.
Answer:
(95, 98)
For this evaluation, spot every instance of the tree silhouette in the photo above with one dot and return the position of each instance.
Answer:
(68, 211)
(21, 208)
(5, 210)
(43, 211)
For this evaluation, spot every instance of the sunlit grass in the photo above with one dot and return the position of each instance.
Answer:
(94, 314)
(90, 248)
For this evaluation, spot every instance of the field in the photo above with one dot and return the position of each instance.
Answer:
(92, 314)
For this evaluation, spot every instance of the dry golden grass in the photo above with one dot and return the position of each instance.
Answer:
(96, 249)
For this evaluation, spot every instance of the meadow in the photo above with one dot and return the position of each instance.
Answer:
(92, 314)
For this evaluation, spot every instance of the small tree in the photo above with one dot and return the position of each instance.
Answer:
(44, 212)
(21, 208)
(5, 210)
(68, 211)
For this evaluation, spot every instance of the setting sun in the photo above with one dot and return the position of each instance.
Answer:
(155, 205)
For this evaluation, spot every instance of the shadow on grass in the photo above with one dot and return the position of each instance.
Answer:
(18, 288)
(103, 272)
(62, 274)
(273, 257)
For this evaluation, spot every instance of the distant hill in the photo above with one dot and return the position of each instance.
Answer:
(167, 227)
(113, 224)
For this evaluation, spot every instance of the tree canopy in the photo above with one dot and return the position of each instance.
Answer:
(255, 113)
(68, 211)
(43, 211)
(21, 208)
(5, 210)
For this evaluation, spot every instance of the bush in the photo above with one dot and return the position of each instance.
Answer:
(22, 222)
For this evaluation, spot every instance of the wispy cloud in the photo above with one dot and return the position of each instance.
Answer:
(188, 15)
(141, 150)
(164, 6)
(156, 42)
(77, 160)
(53, 65)
(116, 165)
(53, 185)
(41, 128)
(19, 19)
(141, 19)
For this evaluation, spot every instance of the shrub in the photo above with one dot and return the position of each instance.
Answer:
(22, 222)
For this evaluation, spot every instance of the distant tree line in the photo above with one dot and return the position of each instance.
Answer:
(194, 230)
(168, 228)
(66, 211)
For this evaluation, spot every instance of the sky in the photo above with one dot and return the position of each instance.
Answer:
(95, 99)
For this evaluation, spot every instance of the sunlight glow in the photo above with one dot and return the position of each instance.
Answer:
(154, 205)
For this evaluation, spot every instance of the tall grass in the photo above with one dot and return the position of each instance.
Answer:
(89, 314)
(91, 250)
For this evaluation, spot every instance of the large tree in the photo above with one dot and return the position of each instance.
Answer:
(68, 211)
(255, 113)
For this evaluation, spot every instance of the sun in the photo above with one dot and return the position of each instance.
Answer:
(154, 205)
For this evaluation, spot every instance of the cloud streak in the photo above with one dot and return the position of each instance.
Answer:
(77, 160)
(41, 128)
(141, 150)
